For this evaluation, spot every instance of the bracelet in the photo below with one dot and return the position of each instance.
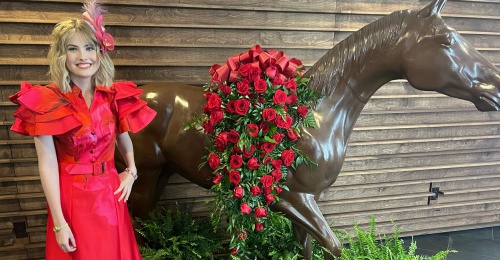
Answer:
(57, 229)
(131, 173)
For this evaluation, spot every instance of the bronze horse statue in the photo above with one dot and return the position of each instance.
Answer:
(413, 45)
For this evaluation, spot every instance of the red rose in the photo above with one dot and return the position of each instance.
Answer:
(267, 147)
(292, 134)
(225, 89)
(269, 114)
(279, 97)
(278, 137)
(242, 88)
(217, 178)
(277, 174)
(264, 127)
(278, 189)
(267, 190)
(208, 94)
(254, 74)
(253, 164)
(302, 111)
(244, 70)
(241, 106)
(291, 85)
(233, 136)
(213, 160)
(235, 161)
(245, 209)
(277, 82)
(269, 198)
(255, 190)
(216, 116)
(208, 127)
(234, 177)
(292, 99)
(276, 163)
(238, 192)
(248, 153)
(288, 157)
(260, 86)
(271, 72)
(253, 129)
(221, 141)
(258, 226)
(285, 124)
(261, 100)
(237, 148)
(230, 107)
(267, 180)
(234, 251)
(267, 160)
(242, 235)
(214, 102)
(260, 212)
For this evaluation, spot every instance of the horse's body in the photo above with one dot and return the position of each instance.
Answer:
(416, 45)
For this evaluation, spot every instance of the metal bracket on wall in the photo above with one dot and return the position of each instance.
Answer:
(436, 192)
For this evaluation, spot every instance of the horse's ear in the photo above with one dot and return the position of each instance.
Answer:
(433, 8)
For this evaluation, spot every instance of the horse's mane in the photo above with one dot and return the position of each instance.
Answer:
(339, 64)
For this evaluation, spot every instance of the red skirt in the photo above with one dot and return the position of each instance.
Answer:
(101, 225)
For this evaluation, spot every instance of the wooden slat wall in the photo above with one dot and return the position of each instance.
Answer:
(404, 143)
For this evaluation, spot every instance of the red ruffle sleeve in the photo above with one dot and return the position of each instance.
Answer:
(43, 110)
(132, 112)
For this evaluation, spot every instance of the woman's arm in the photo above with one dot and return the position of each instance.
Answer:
(126, 149)
(49, 176)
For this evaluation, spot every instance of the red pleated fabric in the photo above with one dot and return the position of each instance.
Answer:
(85, 142)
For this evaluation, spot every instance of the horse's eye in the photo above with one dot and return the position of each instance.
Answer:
(445, 38)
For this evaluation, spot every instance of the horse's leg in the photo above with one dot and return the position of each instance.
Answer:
(303, 210)
(142, 200)
(304, 240)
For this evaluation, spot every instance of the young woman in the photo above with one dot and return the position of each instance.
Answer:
(75, 122)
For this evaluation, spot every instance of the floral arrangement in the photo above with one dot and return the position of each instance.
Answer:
(255, 105)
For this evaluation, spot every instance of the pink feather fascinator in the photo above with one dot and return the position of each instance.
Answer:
(93, 15)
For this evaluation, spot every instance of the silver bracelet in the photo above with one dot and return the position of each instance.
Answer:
(134, 174)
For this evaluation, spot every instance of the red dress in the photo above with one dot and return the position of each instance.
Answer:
(85, 143)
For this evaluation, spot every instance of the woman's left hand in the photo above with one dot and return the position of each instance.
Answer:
(126, 182)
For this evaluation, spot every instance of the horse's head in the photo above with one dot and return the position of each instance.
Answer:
(436, 57)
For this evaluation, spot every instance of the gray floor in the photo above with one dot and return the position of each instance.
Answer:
(477, 244)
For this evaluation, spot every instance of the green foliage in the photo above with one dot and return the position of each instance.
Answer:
(368, 245)
(177, 235)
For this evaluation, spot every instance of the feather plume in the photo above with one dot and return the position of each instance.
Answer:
(93, 8)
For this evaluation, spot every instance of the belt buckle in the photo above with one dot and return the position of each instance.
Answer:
(98, 168)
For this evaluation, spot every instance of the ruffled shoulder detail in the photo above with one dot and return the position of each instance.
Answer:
(43, 110)
(132, 112)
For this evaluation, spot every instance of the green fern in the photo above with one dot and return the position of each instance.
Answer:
(367, 245)
(176, 235)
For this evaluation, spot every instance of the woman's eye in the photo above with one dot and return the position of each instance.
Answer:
(71, 49)
(91, 48)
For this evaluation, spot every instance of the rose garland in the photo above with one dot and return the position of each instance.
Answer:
(256, 103)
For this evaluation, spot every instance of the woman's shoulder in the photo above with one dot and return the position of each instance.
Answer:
(43, 110)
(126, 89)
(39, 98)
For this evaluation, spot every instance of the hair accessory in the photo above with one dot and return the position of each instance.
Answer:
(93, 15)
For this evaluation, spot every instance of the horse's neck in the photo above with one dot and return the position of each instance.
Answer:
(340, 109)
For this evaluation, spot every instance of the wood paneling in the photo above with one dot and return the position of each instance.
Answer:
(404, 143)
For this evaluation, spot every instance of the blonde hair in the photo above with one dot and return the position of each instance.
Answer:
(57, 55)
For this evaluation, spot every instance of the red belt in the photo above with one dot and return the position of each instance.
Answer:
(96, 168)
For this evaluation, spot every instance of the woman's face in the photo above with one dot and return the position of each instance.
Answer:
(81, 58)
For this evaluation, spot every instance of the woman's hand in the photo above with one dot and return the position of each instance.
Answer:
(126, 182)
(66, 240)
